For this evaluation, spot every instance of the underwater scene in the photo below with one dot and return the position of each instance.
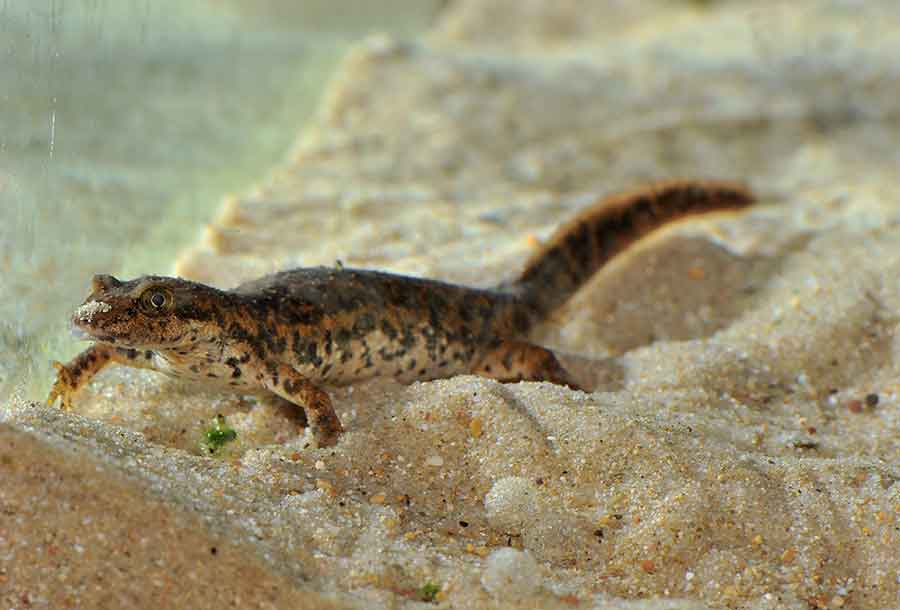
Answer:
(449, 303)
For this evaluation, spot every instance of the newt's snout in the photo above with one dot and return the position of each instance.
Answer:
(85, 315)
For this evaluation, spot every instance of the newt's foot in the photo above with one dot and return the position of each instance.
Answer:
(327, 428)
(511, 361)
(63, 388)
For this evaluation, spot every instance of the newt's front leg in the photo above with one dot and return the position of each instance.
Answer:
(79, 371)
(289, 384)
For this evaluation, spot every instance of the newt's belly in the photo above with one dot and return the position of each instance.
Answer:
(334, 354)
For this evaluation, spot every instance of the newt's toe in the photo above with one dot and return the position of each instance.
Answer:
(62, 388)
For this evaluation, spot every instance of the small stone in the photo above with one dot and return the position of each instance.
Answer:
(326, 487)
(511, 574)
(697, 273)
(476, 427)
(510, 503)
(871, 400)
(434, 460)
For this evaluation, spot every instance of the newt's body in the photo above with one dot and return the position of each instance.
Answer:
(294, 331)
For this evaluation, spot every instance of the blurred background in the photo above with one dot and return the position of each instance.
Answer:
(124, 122)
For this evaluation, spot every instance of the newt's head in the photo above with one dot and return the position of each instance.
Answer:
(148, 312)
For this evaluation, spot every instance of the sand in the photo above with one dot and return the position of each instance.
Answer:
(740, 448)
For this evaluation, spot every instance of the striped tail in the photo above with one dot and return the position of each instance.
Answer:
(583, 245)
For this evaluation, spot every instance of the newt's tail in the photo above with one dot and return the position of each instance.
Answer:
(587, 242)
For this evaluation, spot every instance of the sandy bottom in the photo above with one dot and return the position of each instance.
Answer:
(740, 448)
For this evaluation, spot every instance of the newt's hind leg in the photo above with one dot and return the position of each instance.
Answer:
(523, 361)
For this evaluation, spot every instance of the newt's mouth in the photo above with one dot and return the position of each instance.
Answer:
(84, 335)
(78, 332)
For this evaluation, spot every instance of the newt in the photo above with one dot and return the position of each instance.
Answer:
(293, 332)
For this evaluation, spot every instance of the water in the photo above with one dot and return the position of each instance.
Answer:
(122, 125)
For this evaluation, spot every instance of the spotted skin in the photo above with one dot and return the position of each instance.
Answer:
(511, 360)
(289, 333)
(88, 363)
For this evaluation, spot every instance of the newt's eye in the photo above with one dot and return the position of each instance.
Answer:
(156, 301)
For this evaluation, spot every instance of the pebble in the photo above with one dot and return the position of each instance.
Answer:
(511, 573)
(510, 503)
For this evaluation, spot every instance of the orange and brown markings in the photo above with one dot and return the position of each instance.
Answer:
(289, 333)
(510, 361)
(340, 326)
(87, 364)
(584, 244)
(319, 413)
